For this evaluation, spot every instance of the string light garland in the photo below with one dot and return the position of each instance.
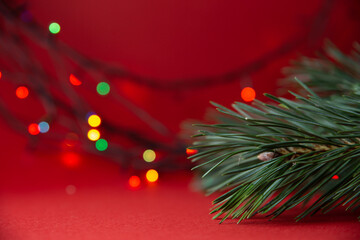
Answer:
(93, 134)
(172, 149)
(43, 127)
(71, 139)
(190, 152)
(71, 159)
(101, 144)
(33, 129)
(22, 92)
(103, 88)
(134, 181)
(54, 28)
(248, 94)
(74, 80)
(152, 175)
(94, 120)
(149, 155)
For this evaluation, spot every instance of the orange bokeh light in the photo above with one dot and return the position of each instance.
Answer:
(70, 159)
(152, 175)
(191, 151)
(248, 94)
(134, 181)
(22, 92)
(74, 80)
(33, 129)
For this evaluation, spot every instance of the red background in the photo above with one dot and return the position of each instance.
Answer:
(171, 40)
(166, 40)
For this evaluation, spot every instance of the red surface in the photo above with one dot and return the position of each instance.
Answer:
(34, 205)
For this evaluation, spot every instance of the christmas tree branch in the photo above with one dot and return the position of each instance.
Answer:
(272, 158)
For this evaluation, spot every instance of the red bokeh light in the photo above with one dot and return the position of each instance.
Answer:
(33, 129)
(191, 151)
(134, 91)
(22, 92)
(74, 80)
(335, 177)
(248, 94)
(70, 159)
(0, 75)
(134, 181)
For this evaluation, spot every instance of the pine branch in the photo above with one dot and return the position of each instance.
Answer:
(332, 73)
(271, 158)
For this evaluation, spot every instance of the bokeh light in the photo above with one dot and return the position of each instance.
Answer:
(74, 80)
(71, 139)
(248, 94)
(335, 177)
(22, 92)
(93, 134)
(54, 28)
(33, 129)
(134, 181)
(94, 120)
(149, 155)
(152, 175)
(0, 75)
(70, 189)
(70, 159)
(191, 151)
(101, 144)
(43, 127)
(103, 88)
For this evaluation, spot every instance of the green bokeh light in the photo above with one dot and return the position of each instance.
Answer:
(101, 144)
(103, 88)
(54, 28)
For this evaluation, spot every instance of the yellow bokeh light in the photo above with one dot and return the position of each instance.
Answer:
(149, 155)
(94, 120)
(152, 175)
(93, 134)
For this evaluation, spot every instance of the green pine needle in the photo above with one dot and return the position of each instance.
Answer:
(269, 158)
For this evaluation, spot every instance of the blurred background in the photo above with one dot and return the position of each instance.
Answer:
(96, 92)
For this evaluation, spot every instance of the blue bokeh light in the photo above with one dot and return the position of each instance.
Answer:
(44, 127)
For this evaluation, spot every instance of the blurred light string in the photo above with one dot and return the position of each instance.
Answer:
(15, 47)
